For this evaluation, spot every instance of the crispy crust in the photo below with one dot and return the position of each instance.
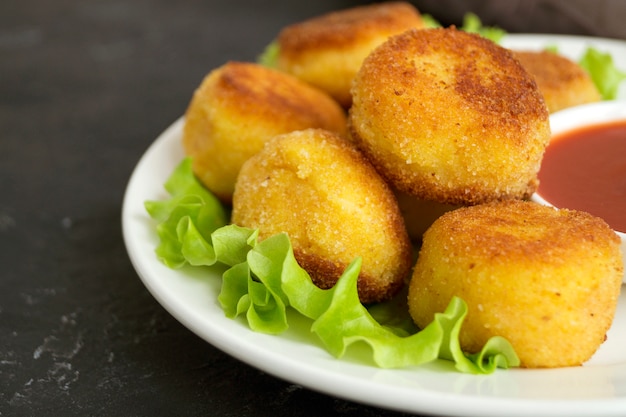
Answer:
(527, 231)
(238, 107)
(344, 29)
(449, 116)
(248, 89)
(327, 51)
(562, 82)
(325, 195)
(325, 273)
(547, 280)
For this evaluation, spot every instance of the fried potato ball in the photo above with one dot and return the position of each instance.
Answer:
(562, 82)
(324, 194)
(327, 51)
(237, 108)
(450, 116)
(547, 280)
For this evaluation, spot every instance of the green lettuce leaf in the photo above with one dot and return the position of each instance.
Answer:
(273, 281)
(269, 56)
(472, 24)
(186, 220)
(430, 22)
(264, 280)
(605, 75)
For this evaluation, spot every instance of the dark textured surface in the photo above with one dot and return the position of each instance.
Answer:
(85, 87)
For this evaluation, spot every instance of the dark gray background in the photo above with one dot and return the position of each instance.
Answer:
(85, 87)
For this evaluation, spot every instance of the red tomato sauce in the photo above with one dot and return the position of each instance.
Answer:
(585, 169)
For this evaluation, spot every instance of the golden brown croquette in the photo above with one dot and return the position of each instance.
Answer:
(237, 108)
(320, 190)
(327, 51)
(450, 116)
(547, 280)
(562, 82)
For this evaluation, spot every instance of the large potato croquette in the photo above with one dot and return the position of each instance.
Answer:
(450, 116)
(562, 82)
(547, 280)
(327, 51)
(324, 194)
(237, 108)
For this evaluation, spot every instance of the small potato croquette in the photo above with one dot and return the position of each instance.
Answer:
(547, 280)
(322, 192)
(327, 51)
(450, 116)
(562, 82)
(237, 108)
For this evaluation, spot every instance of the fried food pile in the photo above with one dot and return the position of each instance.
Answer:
(241, 105)
(372, 130)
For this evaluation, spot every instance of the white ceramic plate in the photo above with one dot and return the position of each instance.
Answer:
(596, 389)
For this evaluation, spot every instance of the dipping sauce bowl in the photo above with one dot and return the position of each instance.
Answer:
(584, 167)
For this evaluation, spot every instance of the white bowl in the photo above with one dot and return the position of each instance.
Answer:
(587, 115)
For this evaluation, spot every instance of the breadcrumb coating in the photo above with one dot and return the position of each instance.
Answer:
(327, 51)
(237, 108)
(547, 280)
(449, 116)
(321, 191)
